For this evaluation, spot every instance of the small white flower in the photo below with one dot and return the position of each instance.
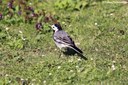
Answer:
(77, 66)
(44, 81)
(20, 32)
(71, 70)
(114, 61)
(23, 38)
(79, 59)
(9, 81)
(96, 49)
(43, 55)
(21, 79)
(96, 24)
(6, 75)
(59, 67)
(7, 28)
(50, 74)
(91, 58)
(30, 3)
(111, 14)
(113, 67)
(70, 25)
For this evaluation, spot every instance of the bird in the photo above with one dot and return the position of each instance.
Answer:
(63, 40)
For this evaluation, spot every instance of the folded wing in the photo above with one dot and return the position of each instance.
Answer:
(63, 38)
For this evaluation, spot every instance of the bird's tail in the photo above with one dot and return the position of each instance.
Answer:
(80, 53)
(77, 49)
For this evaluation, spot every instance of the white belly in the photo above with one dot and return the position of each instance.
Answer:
(61, 45)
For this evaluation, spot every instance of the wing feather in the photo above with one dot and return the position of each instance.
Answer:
(64, 38)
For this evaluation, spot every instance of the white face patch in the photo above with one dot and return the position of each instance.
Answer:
(54, 28)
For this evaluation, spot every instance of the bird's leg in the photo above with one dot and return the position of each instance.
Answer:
(60, 53)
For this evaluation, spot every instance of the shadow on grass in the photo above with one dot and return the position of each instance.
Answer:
(71, 52)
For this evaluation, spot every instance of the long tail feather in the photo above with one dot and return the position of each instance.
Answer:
(80, 53)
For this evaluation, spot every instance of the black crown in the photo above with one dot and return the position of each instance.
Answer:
(58, 26)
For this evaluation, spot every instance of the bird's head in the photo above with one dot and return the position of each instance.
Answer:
(56, 27)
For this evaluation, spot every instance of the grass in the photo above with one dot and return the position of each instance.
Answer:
(100, 30)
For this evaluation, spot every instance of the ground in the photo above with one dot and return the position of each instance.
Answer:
(28, 56)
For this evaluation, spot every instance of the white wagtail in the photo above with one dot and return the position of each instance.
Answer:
(63, 40)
